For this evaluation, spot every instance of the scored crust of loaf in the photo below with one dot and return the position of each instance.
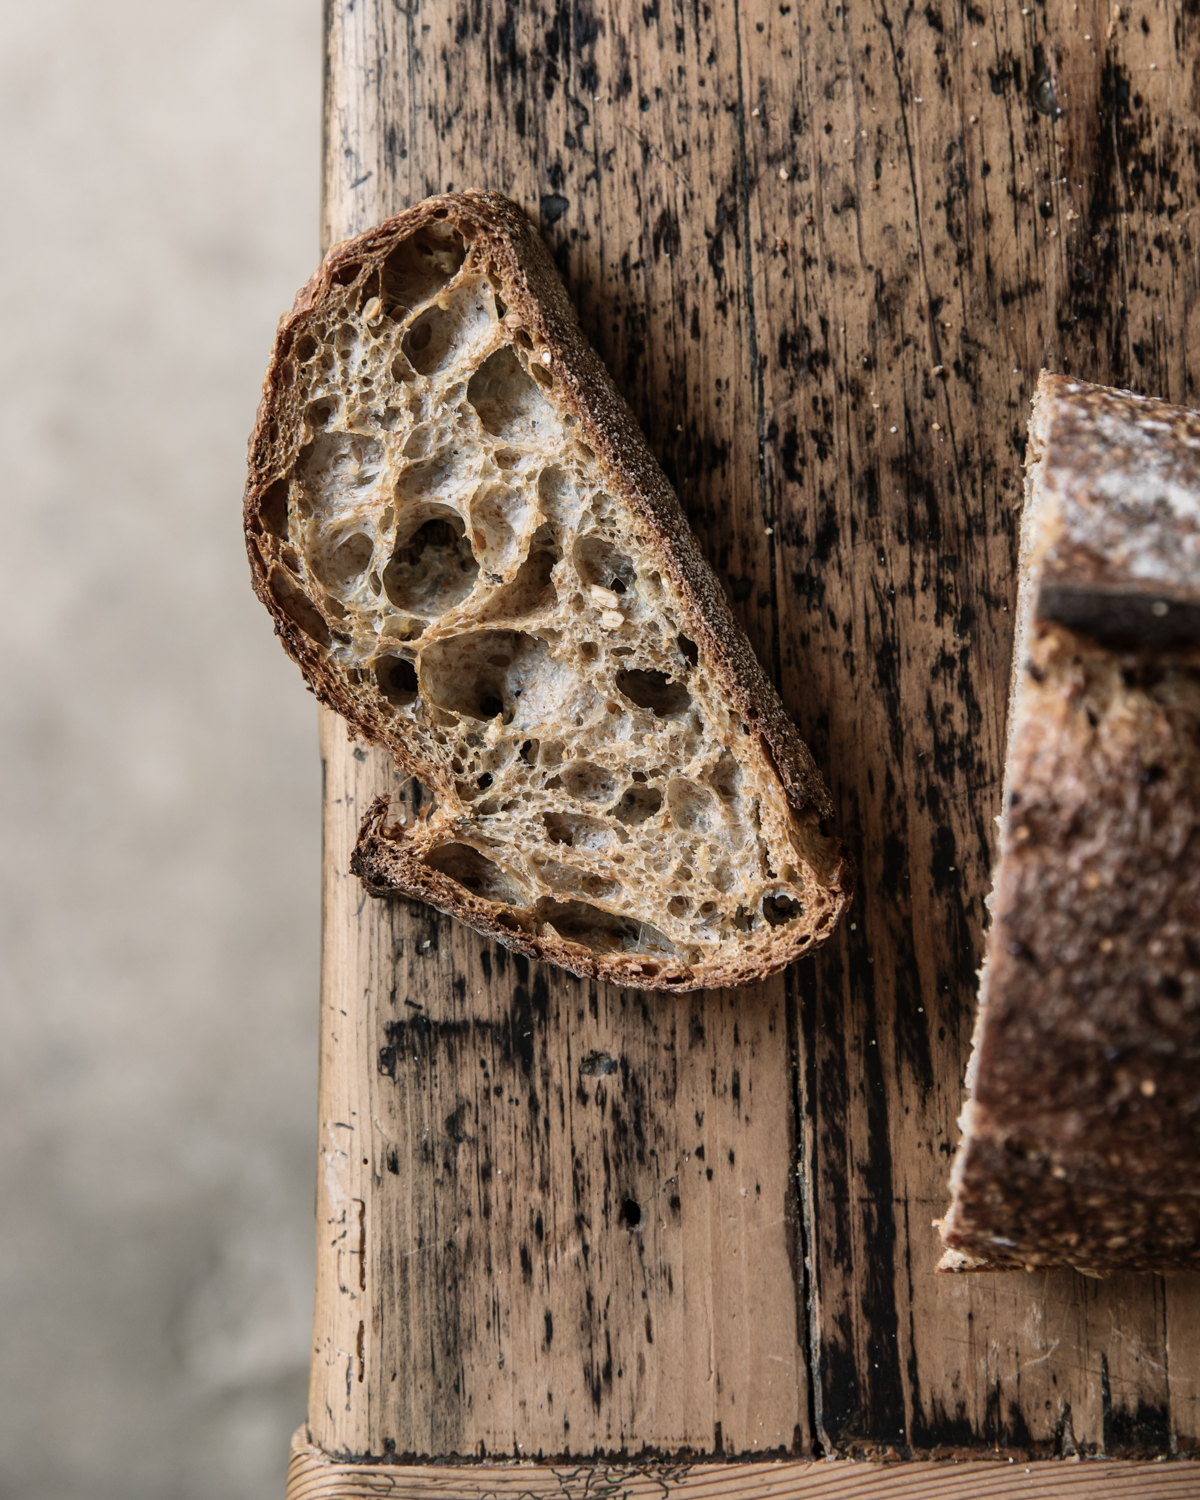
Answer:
(1081, 1133)
(473, 556)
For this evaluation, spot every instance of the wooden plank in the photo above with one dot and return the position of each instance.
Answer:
(313, 1476)
(949, 217)
(778, 223)
(555, 1217)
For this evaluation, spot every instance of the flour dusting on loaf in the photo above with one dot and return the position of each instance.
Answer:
(469, 549)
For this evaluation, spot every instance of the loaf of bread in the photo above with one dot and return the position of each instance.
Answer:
(471, 553)
(1081, 1134)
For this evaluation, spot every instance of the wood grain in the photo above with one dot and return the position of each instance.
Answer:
(824, 251)
(313, 1476)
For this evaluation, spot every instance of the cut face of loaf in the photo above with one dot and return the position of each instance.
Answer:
(474, 558)
(1081, 1135)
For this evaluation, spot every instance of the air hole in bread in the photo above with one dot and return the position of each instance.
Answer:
(688, 649)
(679, 906)
(508, 403)
(335, 469)
(569, 880)
(397, 679)
(349, 559)
(556, 492)
(464, 863)
(346, 274)
(691, 807)
(320, 414)
(443, 333)
(542, 375)
(655, 691)
(436, 478)
(588, 782)
(485, 674)
(601, 564)
(418, 443)
(298, 607)
(418, 268)
(577, 831)
(638, 803)
(602, 931)
(499, 520)
(433, 568)
(273, 510)
(727, 776)
(779, 909)
(531, 591)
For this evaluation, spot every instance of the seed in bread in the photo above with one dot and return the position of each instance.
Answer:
(470, 551)
(1081, 1135)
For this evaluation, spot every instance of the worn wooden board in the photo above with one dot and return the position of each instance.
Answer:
(824, 251)
(312, 1475)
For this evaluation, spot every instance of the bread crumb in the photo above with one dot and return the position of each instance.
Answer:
(1148, 1087)
(1106, 945)
(783, 174)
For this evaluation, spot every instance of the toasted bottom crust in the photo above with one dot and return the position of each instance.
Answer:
(389, 862)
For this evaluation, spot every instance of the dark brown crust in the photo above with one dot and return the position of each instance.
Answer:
(509, 249)
(1083, 1132)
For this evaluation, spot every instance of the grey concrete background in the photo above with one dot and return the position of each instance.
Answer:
(160, 791)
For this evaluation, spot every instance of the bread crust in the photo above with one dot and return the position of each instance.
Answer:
(503, 243)
(1082, 1134)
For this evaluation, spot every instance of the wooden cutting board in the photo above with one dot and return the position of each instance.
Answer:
(824, 252)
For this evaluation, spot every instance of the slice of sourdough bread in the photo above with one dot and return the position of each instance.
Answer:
(1081, 1134)
(471, 553)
